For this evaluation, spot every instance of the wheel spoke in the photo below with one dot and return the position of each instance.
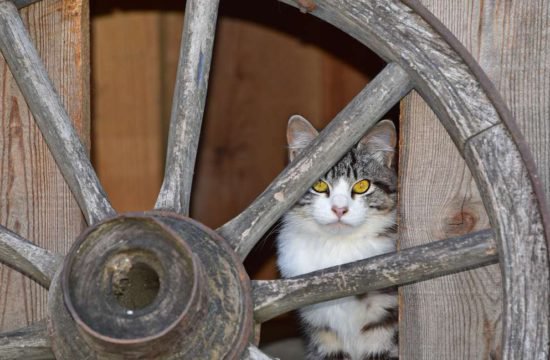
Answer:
(383, 92)
(275, 297)
(50, 115)
(188, 104)
(256, 354)
(31, 342)
(27, 258)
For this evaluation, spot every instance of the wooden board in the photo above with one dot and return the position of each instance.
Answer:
(458, 317)
(128, 142)
(34, 199)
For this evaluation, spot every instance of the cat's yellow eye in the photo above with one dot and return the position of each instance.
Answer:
(361, 187)
(320, 186)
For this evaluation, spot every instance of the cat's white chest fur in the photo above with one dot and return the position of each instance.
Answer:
(305, 247)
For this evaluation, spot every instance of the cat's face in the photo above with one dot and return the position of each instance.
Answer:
(358, 191)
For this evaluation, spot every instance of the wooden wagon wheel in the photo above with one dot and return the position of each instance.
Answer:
(198, 302)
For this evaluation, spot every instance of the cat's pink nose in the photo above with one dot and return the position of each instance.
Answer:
(340, 211)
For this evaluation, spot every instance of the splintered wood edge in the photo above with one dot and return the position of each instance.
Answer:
(50, 115)
(347, 128)
(31, 342)
(275, 297)
(188, 104)
(27, 258)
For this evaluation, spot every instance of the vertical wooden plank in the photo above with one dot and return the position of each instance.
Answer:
(128, 106)
(34, 199)
(458, 317)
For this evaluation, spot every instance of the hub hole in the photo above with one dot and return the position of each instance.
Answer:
(136, 287)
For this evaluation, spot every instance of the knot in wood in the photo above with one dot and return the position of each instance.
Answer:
(460, 223)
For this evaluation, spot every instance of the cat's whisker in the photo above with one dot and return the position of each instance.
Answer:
(275, 228)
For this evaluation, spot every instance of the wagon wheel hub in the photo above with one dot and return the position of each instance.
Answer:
(138, 284)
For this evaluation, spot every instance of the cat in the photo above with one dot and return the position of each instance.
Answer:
(347, 215)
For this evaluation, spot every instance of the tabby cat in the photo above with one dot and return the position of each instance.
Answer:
(347, 215)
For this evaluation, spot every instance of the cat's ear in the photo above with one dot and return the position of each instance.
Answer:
(299, 134)
(380, 142)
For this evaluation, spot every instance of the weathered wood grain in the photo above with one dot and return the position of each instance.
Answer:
(50, 115)
(524, 256)
(188, 104)
(274, 297)
(514, 53)
(35, 201)
(30, 343)
(456, 316)
(27, 258)
(384, 91)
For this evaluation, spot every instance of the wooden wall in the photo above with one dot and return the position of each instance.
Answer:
(458, 316)
(34, 199)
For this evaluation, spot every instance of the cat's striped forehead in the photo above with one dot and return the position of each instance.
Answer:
(358, 164)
